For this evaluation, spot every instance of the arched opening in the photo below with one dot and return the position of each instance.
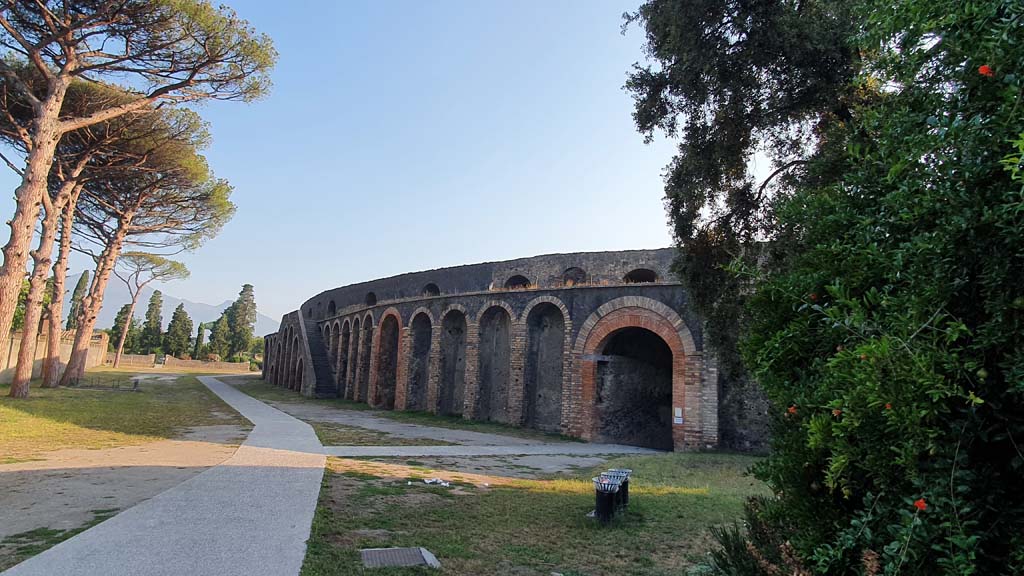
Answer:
(387, 363)
(453, 363)
(634, 389)
(298, 377)
(419, 363)
(495, 365)
(517, 282)
(352, 371)
(640, 276)
(365, 345)
(342, 365)
(573, 276)
(332, 309)
(545, 339)
(431, 290)
(329, 339)
(371, 299)
(278, 360)
(296, 380)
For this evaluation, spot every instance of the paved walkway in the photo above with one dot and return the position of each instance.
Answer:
(249, 516)
(366, 419)
(565, 449)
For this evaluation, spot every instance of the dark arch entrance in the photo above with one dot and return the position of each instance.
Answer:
(640, 276)
(453, 363)
(419, 363)
(517, 282)
(298, 376)
(352, 372)
(573, 276)
(634, 390)
(545, 339)
(495, 365)
(387, 363)
(364, 360)
(346, 338)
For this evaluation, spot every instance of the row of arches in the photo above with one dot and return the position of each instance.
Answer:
(572, 276)
(621, 381)
(285, 361)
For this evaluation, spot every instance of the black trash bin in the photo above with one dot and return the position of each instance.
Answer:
(605, 498)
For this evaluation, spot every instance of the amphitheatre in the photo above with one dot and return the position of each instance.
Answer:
(599, 346)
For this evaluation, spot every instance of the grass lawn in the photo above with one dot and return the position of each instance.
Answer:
(55, 418)
(332, 434)
(19, 547)
(259, 389)
(527, 527)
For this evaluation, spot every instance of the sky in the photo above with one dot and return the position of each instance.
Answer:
(405, 135)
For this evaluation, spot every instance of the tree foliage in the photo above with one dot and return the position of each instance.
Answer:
(887, 323)
(179, 333)
(241, 319)
(132, 337)
(152, 328)
(76, 300)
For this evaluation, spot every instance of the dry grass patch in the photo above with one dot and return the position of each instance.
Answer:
(332, 434)
(55, 418)
(490, 524)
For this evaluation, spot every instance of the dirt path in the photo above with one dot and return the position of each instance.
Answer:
(63, 490)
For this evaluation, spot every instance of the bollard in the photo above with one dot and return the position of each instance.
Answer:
(605, 490)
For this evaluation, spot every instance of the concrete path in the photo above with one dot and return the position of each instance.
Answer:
(249, 516)
(366, 419)
(566, 449)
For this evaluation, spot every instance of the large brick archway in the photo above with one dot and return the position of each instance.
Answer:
(686, 371)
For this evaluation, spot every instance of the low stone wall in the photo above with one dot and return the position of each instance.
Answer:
(172, 362)
(133, 360)
(9, 349)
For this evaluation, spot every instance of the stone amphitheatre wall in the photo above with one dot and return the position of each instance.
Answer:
(600, 346)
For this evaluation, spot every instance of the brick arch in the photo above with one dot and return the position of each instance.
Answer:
(421, 310)
(540, 300)
(491, 304)
(648, 305)
(368, 314)
(455, 307)
(376, 359)
(687, 365)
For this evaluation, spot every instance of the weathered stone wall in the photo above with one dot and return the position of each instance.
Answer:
(517, 341)
(96, 355)
(171, 361)
(133, 360)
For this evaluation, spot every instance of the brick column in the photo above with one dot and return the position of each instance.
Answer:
(434, 369)
(567, 383)
(516, 386)
(353, 364)
(709, 401)
(402, 369)
(371, 388)
(472, 376)
(686, 393)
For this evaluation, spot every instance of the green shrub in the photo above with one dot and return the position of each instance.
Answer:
(889, 330)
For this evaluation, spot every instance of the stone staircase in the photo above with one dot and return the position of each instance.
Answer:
(322, 369)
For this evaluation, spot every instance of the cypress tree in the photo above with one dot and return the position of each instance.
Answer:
(152, 330)
(179, 333)
(76, 301)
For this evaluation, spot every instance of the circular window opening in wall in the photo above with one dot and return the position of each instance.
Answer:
(573, 276)
(431, 290)
(517, 282)
(371, 298)
(640, 276)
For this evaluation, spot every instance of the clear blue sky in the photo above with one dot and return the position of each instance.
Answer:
(414, 134)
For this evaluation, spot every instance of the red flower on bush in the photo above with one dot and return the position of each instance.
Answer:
(836, 412)
(920, 504)
(814, 296)
(986, 70)
(888, 405)
(791, 410)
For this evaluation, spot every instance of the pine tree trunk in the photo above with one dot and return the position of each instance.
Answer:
(51, 365)
(46, 133)
(124, 329)
(93, 301)
(41, 258)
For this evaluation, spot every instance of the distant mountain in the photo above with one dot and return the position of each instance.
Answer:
(117, 296)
